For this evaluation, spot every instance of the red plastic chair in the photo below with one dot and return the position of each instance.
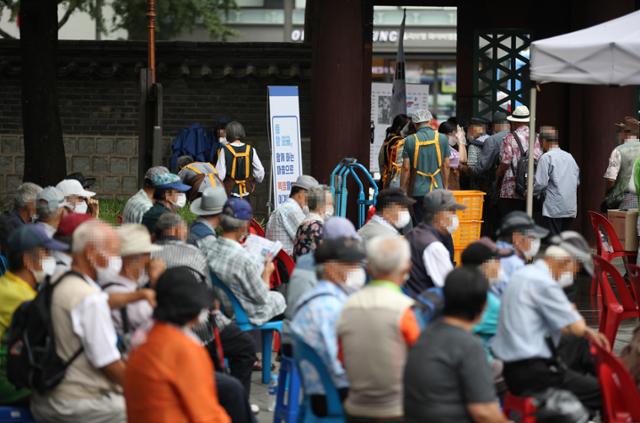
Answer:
(600, 225)
(620, 397)
(523, 407)
(256, 228)
(614, 308)
(285, 259)
(633, 272)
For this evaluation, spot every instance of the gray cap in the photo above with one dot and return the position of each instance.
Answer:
(211, 202)
(53, 197)
(575, 244)
(339, 227)
(519, 221)
(305, 182)
(439, 200)
(156, 170)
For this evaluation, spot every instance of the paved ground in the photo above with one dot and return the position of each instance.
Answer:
(580, 295)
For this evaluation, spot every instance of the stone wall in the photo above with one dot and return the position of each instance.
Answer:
(99, 100)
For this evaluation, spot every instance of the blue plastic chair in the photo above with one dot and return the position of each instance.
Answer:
(15, 415)
(242, 320)
(306, 356)
(289, 390)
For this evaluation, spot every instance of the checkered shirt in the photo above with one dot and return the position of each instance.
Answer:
(136, 207)
(283, 224)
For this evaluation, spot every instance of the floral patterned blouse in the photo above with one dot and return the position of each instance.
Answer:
(308, 235)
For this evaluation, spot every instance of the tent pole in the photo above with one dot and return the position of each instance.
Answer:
(532, 145)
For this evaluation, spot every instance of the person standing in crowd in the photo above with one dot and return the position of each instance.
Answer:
(476, 136)
(317, 312)
(50, 206)
(378, 311)
(392, 214)
(170, 377)
(510, 154)
(431, 242)
(142, 201)
(208, 208)
(91, 390)
(244, 274)
(425, 165)
(239, 166)
(28, 252)
(458, 153)
(168, 195)
(557, 179)
(286, 219)
(483, 172)
(390, 155)
(518, 233)
(620, 169)
(447, 377)
(309, 233)
(304, 276)
(198, 175)
(539, 327)
(23, 211)
(78, 199)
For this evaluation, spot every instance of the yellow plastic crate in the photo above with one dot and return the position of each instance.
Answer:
(466, 233)
(473, 200)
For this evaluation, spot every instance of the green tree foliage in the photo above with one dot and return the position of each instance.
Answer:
(172, 16)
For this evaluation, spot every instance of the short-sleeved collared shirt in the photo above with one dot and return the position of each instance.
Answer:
(510, 154)
(558, 177)
(284, 223)
(508, 265)
(315, 321)
(136, 207)
(242, 273)
(428, 162)
(533, 307)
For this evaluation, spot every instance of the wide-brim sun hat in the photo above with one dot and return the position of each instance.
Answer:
(135, 239)
(210, 203)
(520, 114)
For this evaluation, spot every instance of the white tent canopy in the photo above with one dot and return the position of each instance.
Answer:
(605, 54)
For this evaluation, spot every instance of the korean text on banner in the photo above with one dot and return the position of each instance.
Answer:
(286, 154)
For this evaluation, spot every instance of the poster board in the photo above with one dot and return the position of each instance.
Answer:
(417, 98)
(286, 153)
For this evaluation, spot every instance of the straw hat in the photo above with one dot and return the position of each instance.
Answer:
(135, 239)
(520, 114)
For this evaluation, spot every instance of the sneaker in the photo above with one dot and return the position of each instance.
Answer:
(255, 409)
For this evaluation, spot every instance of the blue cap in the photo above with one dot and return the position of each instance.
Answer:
(28, 237)
(169, 181)
(237, 208)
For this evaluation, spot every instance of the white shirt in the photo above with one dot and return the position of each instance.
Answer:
(256, 164)
(91, 321)
(437, 262)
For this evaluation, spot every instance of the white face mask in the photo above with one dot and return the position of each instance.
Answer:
(143, 278)
(114, 265)
(223, 141)
(533, 250)
(404, 217)
(355, 279)
(566, 279)
(453, 226)
(453, 141)
(48, 265)
(328, 212)
(80, 208)
(181, 201)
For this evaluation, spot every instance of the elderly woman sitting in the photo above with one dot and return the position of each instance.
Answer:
(320, 203)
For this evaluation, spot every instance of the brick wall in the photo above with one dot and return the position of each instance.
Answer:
(99, 100)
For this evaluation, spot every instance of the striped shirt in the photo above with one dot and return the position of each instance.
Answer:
(284, 223)
(136, 207)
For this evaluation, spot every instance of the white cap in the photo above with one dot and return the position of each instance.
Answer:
(421, 115)
(73, 187)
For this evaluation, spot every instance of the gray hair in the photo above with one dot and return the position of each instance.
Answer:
(231, 224)
(387, 255)
(25, 194)
(92, 232)
(168, 221)
(235, 131)
(317, 197)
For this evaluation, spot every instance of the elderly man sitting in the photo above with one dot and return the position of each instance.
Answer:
(23, 211)
(142, 201)
(379, 311)
(246, 276)
(392, 214)
(208, 208)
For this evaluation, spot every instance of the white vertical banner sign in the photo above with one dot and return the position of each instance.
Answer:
(286, 153)
(382, 117)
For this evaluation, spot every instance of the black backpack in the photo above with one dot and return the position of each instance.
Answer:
(32, 360)
(522, 168)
